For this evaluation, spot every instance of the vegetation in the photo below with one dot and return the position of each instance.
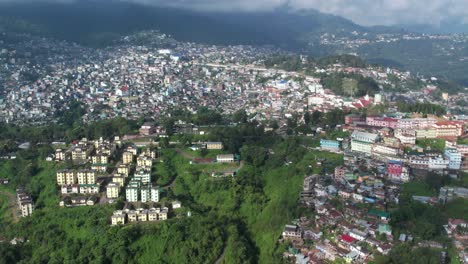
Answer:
(422, 108)
(234, 219)
(405, 253)
(435, 144)
(349, 84)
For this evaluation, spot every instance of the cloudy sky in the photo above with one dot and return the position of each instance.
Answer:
(365, 12)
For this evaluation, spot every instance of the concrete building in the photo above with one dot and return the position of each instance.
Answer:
(144, 161)
(449, 129)
(142, 175)
(438, 163)
(118, 218)
(132, 193)
(225, 158)
(331, 145)
(214, 145)
(361, 146)
(112, 190)
(25, 202)
(454, 157)
(123, 170)
(147, 129)
(127, 157)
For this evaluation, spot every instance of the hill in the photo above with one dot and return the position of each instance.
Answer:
(99, 23)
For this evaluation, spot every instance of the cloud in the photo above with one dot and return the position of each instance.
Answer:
(365, 12)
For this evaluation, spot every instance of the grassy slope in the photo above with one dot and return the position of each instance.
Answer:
(262, 217)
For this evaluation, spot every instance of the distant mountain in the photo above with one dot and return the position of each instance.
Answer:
(84, 21)
(454, 26)
(98, 23)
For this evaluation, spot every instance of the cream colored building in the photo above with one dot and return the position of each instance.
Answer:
(86, 177)
(127, 157)
(118, 218)
(100, 159)
(59, 155)
(426, 133)
(78, 154)
(66, 177)
(144, 161)
(112, 190)
(123, 170)
(119, 180)
(214, 145)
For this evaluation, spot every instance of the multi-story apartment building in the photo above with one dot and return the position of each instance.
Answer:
(86, 176)
(449, 129)
(149, 193)
(381, 121)
(132, 149)
(80, 154)
(416, 123)
(144, 161)
(123, 169)
(454, 157)
(112, 190)
(149, 153)
(142, 175)
(127, 157)
(406, 137)
(426, 133)
(60, 155)
(381, 149)
(132, 193)
(25, 202)
(362, 141)
(438, 163)
(118, 179)
(66, 177)
(89, 188)
(100, 159)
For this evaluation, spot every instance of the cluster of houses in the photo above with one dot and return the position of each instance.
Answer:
(341, 228)
(457, 229)
(122, 217)
(388, 140)
(351, 219)
(153, 214)
(25, 202)
(139, 187)
(91, 178)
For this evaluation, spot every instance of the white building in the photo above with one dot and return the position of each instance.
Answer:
(132, 194)
(438, 163)
(225, 158)
(143, 176)
(112, 190)
(360, 146)
(454, 157)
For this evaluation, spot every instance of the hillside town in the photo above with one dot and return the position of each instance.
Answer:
(41, 77)
(352, 219)
(347, 212)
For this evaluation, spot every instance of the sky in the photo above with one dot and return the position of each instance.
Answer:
(364, 12)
